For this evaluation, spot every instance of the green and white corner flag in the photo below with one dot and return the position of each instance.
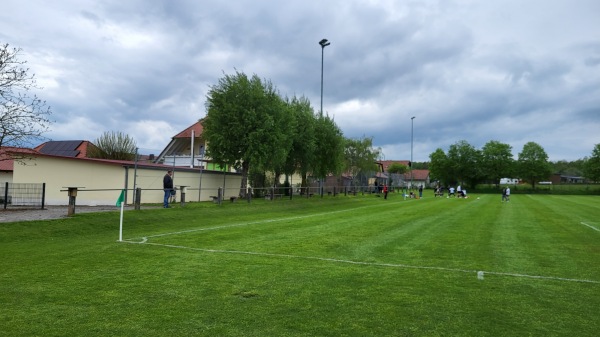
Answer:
(121, 202)
(121, 198)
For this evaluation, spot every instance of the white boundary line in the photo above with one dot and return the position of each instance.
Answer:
(261, 222)
(590, 226)
(479, 273)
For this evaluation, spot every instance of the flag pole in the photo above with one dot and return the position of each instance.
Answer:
(121, 202)
(121, 223)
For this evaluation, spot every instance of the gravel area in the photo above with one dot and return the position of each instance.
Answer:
(51, 212)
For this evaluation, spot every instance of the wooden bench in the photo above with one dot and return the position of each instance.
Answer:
(233, 199)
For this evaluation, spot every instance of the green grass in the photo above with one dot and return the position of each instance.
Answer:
(343, 266)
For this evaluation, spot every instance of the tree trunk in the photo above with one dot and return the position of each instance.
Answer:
(244, 183)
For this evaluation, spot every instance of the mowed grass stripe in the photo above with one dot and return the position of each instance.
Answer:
(479, 234)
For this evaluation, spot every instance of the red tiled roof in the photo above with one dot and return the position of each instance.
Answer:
(7, 153)
(7, 164)
(417, 174)
(386, 163)
(187, 133)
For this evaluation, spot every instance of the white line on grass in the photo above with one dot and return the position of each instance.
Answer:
(590, 226)
(258, 222)
(479, 273)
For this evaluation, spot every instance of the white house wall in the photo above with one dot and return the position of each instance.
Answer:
(100, 183)
(6, 177)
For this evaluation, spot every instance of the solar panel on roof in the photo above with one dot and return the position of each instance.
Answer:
(61, 148)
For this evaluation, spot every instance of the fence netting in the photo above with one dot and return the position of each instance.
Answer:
(29, 195)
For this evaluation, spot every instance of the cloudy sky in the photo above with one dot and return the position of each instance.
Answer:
(513, 70)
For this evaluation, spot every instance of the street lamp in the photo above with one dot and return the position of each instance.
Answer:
(324, 43)
(412, 119)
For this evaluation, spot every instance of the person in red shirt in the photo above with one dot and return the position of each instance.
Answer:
(385, 191)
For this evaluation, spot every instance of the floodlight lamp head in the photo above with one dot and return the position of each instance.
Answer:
(324, 43)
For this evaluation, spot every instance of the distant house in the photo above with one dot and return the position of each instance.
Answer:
(415, 177)
(6, 167)
(419, 178)
(188, 149)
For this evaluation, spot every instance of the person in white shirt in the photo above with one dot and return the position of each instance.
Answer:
(507, 194)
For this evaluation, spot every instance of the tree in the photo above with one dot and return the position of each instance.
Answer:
(360, 156)
(439, 167)
(591, 166)
(301, 155)
(23, 116)
(533, 164)
(246, 125)
(463, 161)
(113, 145)
(497, 161)
(397, 168)
(329, 151)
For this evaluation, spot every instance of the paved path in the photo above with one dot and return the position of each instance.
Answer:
(51, 212)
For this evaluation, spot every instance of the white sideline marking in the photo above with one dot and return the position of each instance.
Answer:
(590, 226)
(393, 265)
(260, 222)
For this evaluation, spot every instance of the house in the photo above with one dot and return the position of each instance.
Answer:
(64, 164)
(417, 178)
(188, 148)
(414, 177)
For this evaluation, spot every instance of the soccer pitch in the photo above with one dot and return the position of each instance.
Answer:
(332, 266)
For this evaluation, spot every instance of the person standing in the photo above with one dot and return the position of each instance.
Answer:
(507, 194)
(503, 194)
(420, 191)
(385, 191)
(167, 187)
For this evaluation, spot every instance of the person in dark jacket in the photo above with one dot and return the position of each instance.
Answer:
(168, 187)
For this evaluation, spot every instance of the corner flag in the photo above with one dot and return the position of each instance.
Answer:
(121, 202)
(121, 198)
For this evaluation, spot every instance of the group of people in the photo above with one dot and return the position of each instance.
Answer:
(459, 192)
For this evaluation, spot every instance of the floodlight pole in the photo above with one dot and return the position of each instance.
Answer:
(412, 119)
(324, 43)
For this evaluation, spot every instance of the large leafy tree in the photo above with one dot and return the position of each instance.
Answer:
(533, 164)
(303, 143)
(23, 116)
(591, 166)
(497, 161)
(463, 161)
(360, 156)
(329, 150)
(246, 125)
(439, 167)
(113, 145)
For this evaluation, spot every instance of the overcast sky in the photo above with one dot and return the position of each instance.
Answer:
(513, 71)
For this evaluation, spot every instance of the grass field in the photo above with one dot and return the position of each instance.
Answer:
(336, 266)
